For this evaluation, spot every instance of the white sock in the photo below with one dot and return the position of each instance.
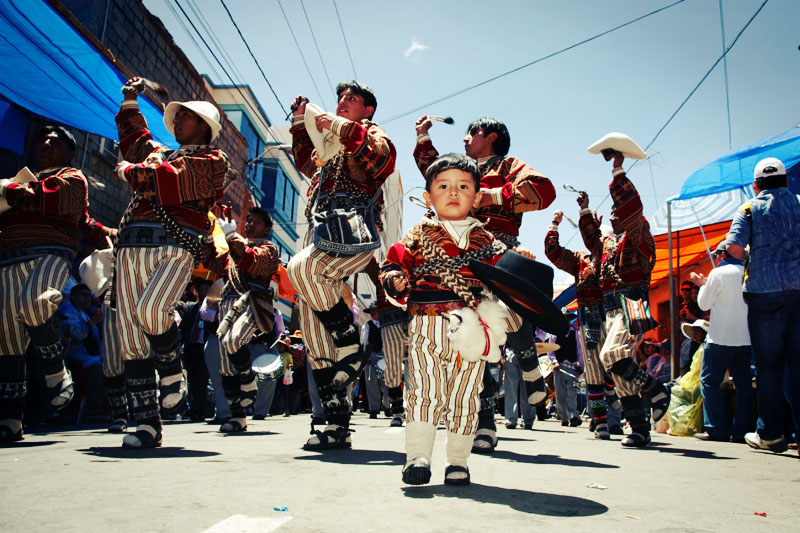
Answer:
(458, 448)
(171, 400)
(420, 437)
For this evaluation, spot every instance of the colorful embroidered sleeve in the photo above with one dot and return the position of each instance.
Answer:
(135, 140)
(183, 179)
(627, 206)
(370, 148)
(590, 232)
(398, 263)
(524, 189)
(425, 153)
(258, 262)
(562, 258)
(64, 194)
(302, 147)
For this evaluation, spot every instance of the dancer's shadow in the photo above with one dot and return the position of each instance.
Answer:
(29, 444)
(358, 457)
(544, 459)
(540, 503)
(167, 452)
(240, 433)
(664, 447)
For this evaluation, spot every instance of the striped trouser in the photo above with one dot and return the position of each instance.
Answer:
(318, 278)
(394, 338)
(30, 292)
(591, 357)
(438, 388)
(112, 356)
(618, 345)
(239, 333)
(149, 283)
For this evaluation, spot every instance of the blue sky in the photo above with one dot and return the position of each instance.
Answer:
(630, 80)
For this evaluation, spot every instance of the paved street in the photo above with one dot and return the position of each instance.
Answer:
(80, 479)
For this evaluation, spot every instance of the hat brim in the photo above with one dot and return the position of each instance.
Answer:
(325, 142)
(521, 296)
(619, 142)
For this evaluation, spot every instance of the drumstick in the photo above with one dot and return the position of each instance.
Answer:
(109, 241)
(570, 188)
(446, 120)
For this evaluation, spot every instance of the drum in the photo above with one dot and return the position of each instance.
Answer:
(380, 369)
(266, 365)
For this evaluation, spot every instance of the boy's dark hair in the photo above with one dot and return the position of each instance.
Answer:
(452, 160)
(61, 132)
(263, 214)
(360, 89)
(502, 143)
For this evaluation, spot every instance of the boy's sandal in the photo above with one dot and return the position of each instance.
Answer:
(118, 425)
(485, 441)
(9, 435)
(142, 439)
(456, 475)
(417, 472)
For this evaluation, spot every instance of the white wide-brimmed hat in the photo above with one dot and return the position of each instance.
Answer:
(326, 142)
(205, 110)
(686, 327)
(619, 142)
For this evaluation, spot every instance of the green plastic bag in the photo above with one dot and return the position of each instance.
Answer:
(686, 405)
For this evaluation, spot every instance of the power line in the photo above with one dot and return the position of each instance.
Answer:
(313, 81)
(725, 53)
(355, 76)
(210, 32)
(317, 47)
(253, 56)
(236, 85)
(189, 34)
(526, 65)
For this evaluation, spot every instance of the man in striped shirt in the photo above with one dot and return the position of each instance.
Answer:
(157, 242)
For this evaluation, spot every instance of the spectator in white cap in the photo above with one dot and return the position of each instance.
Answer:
(727, 348)
(770, 225)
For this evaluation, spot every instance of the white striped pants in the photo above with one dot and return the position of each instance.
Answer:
(618, 345)
(149, 283)
(437, 388)
(30, 292)
(394, 338)
(594, 366)
(112, 358)
(318, 278)
(239, 334)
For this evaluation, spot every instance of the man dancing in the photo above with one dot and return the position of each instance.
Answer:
(40, 233)
(245, 309)
(510, 188)
(627, 260)
(159, 245)
(591, 329)
(354, 175)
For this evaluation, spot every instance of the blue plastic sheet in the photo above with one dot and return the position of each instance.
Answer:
(52, 70)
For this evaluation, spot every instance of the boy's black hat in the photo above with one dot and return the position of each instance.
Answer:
(526, 286)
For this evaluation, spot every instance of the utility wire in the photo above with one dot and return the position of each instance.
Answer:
(313, 81)
(317, 46)
(236, 85)
(725, 68)
(355, 76)
(189, 33)
(728, 49)
(526, 65)
(212, 36)
(725, 53)
(253, 56)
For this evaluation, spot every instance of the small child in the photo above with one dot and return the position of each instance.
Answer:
(428, 271)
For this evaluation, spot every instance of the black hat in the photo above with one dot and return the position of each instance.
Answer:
(62, 133)
(526, 286)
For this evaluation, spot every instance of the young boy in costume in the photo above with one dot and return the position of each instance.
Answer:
(429, 272)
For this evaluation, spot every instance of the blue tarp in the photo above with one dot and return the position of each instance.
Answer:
(52, 70)
(734, 170)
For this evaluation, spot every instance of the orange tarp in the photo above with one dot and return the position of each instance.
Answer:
(688, 249)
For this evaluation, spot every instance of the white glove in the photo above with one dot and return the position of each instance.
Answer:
(120, 169)
(228, 227)
(3, 186)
